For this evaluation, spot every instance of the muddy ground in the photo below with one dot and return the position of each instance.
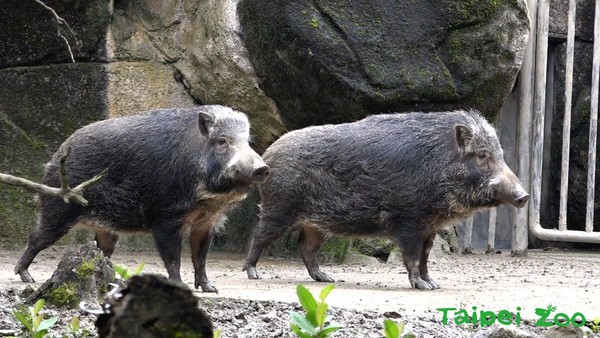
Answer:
(364, 294)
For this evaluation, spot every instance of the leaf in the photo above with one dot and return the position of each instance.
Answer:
(47, 323)
(303, 323)
(36, 322)
(392, 329)
(39, 305)
(24, 320)
(139, 268)
(40, 334)
(325, 292)
(326, 331)
(121, 270)
(306, 298)
(320, 313)
(308, 302)
(75, 324)
(299, 332)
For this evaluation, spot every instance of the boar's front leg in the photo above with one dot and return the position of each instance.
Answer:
(167, 238)
(424, 259)
(311, 239)
(201, 238)
(412, 245)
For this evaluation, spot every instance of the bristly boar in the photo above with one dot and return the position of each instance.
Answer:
(398, 175)
(168, 170)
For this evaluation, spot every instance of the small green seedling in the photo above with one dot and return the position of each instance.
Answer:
(124, 273)
(217, 333)
(313, 323)
(595, 324)
(33, 320)
(76, 331)
(391, 329)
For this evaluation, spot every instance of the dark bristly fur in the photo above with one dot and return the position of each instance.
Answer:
(167, 169)
(398, 175)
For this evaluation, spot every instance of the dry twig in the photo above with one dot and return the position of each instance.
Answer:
(65, 192)
(60, 21)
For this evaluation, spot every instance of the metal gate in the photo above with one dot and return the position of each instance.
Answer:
(530, 137)
(532, 109)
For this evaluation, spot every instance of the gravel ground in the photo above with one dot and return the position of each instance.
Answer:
(364, 296)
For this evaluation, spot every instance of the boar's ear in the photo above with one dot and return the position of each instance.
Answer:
(205, 122)
(464, 137)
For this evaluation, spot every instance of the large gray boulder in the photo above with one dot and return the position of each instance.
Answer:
(326, 61)
(202, 42)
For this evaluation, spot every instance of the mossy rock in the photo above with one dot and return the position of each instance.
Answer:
(82, 275)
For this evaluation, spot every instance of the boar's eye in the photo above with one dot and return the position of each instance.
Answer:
(483, 155)
(222, 145)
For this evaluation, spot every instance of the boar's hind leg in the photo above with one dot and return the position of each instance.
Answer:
(411, 246)
(424, 259)
(265, 233)
(167, 238)
(106, 241)
(200, 240)
(309, 243)
(44, 236)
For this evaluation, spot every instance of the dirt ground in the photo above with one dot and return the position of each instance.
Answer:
(568, 280)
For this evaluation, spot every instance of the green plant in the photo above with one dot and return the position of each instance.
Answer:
(76, 331)
(595, 324)
(313, 323)
(391, 329)
(217, 333)
(124, 273)
(33, 320)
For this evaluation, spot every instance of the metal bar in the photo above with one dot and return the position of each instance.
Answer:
(535, 227)
(566, 142)
(521, 220)
(591, 182)
(467, 246)
(491, 241)
(539, 108)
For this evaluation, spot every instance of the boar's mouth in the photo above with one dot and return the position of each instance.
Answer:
(520, 200)
(258, 175)
(516, 199)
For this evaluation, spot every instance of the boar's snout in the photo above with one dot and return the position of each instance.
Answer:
(261, 174)
(509, 188)
(520, 199)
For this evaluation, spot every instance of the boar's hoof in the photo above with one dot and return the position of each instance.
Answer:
(418, 283)
(25, 276)
(252, 273)
(206, 287)
(433, 284)
(321, 277)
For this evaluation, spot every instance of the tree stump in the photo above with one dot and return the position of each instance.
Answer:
(80, 276)
(153, 306)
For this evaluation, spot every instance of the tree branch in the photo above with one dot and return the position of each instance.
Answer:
(60, 21)
(67, 194)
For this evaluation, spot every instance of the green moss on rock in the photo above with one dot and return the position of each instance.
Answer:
(65, 295)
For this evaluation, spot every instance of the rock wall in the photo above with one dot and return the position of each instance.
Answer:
(333, 61)
(287, 64)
